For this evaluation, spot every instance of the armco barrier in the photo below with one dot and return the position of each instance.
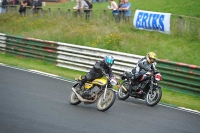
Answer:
(40, 49)
(180, 76)
(82, 58)
(63, 54)
(176, 75)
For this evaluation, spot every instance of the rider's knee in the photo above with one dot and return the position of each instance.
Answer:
(84, 78)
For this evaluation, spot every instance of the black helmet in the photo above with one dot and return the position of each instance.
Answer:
(109, 60)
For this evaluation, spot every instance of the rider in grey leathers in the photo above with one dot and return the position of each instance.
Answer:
(144, 65)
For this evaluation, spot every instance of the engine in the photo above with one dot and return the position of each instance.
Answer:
(90, 93)
(95, 90)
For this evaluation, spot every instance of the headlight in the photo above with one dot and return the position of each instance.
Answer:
(113, 81)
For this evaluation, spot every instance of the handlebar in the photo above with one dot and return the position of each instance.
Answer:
(153, 72)
(104, 73)
(107, 76)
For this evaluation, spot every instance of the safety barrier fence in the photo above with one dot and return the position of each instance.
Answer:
(66, 13)
(178, 76)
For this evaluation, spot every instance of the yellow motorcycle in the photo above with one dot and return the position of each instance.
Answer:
(99, 91)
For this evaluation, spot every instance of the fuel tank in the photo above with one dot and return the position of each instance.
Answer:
(100, 82)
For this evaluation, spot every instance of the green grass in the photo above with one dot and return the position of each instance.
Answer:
(38, 65)
(180, 99)
(121, 37)
(169, 97)
(106, 35)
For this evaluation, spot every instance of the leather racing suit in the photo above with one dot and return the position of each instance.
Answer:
(142, 67)
(96, 72)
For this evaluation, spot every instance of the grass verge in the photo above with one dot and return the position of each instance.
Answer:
(169, 97)
(181, 45)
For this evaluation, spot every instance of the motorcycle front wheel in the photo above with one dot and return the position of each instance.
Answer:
(153, 98)
(74, 99)
(104, 104)
(122, 94)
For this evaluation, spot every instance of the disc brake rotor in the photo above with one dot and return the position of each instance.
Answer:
(152, 96)
(74, 98)
(122, 92)
(106, 100)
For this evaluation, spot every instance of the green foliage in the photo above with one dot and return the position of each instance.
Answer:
(180, 99)
(39, 65)
(182, 45)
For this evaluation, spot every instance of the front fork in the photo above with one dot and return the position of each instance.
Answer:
(124, 88)
(105, 91)
(151, 89)
(152, 86)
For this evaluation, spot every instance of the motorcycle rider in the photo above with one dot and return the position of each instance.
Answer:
(98, 69)
(144, 65)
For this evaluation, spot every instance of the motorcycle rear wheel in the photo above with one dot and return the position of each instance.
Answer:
(154, 98)
(105, 104)
(74, 99)
(122, 94)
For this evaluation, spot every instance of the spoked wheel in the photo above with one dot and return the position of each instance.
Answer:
(105, 104)
(122, 94)
(74, 99)
(153, 98)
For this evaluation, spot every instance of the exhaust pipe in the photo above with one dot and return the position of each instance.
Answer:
(82, 99)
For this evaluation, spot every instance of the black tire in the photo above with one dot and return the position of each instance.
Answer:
(154, 98)
(74, 99)
(103, 105)
(122, 94)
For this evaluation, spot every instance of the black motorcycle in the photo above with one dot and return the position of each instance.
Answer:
(146, 88)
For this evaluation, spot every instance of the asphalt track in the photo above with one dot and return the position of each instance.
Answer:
(32, 103)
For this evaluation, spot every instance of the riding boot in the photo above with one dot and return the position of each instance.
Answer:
(82, 82)
(130, 88)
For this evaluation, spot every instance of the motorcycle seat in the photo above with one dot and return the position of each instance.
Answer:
(129, 74)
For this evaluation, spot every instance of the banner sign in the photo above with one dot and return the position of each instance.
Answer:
(155, 21)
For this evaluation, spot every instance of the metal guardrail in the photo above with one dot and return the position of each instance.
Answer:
(177, 76)
(180, 76)
(83, 58)
(63, 54)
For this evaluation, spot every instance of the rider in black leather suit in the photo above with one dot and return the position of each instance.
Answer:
(97, 69)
